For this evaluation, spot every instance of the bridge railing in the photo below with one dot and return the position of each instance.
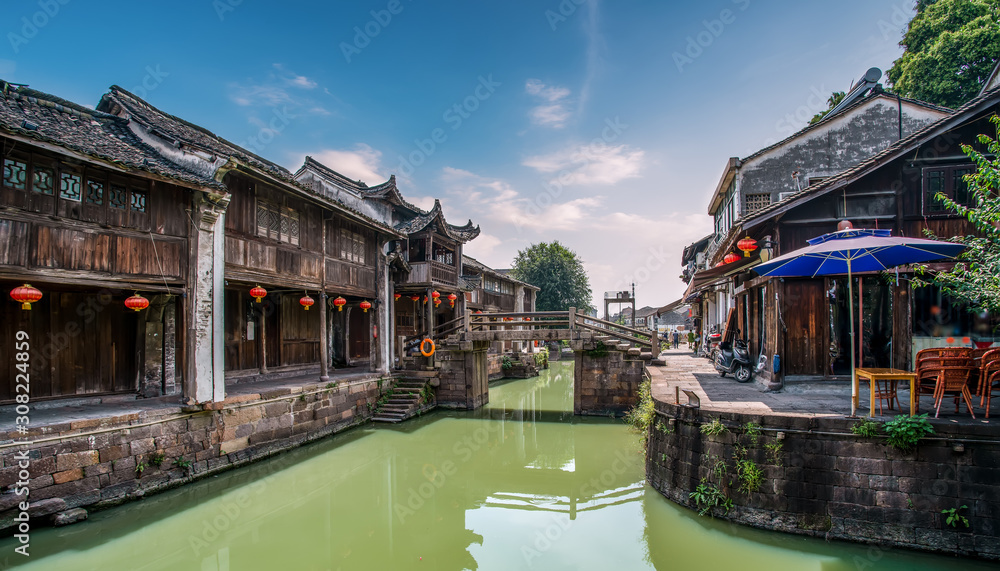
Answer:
(518, 320)
(622, 332)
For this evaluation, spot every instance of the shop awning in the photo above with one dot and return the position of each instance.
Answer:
(670, 307)
(707, 278)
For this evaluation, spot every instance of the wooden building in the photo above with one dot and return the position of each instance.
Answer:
(803, 321)
(425, 259)
(297, 244)
(488, 290)
(90, 215)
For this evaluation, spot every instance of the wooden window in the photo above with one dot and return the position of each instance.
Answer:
(15, 173)
(70, 186)
(95, 192)
(352, 246)
(118, 197)
(404, 319)
(138, 201)
(43, 180)
(755, 202)
(277, 223)
(948, 181)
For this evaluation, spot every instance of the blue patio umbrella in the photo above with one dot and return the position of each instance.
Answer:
(856, 250)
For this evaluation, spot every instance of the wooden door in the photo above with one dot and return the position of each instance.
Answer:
(359, 335)
(804, 311)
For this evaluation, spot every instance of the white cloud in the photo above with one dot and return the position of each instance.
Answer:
(278, 88)
(554, 112)
(360, 163)
(597, 163)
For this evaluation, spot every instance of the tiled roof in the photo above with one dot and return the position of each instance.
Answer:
(459, 233)
(858, 103)
(470, 262)
(891, 152)
(185, 134)
(175, 129)
(50, 119)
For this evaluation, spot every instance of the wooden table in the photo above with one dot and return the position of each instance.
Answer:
(888, 375)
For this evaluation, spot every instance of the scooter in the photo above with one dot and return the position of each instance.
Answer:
(734, 358)
(711, 345)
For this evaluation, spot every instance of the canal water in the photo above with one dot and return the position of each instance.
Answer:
(520, 484)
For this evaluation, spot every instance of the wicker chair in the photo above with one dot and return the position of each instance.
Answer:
(989, 373)
(952, 379)
(927, 375)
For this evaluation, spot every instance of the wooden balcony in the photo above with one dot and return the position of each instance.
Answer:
(433, 273)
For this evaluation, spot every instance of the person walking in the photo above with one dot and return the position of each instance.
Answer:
(677, 339)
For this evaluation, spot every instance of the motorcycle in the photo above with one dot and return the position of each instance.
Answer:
(734, 358)
(711, 345)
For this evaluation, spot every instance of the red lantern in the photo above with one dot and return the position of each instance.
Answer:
(451, 299)
(307, 301)
(137, 302)
(415, 298)
(437, 298)
(479, 313)
(397, 296)
(365, 306)
(731, 257)
(748, 245)
(258, 292)
(425, 300)
(340, 303)
(25, 295)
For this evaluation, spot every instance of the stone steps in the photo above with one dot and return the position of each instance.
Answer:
(406, 399)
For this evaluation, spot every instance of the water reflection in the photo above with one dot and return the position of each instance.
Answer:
(520, 484)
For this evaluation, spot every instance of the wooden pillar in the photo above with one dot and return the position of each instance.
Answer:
(263, 339)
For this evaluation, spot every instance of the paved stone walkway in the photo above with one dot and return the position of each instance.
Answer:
(809, 399)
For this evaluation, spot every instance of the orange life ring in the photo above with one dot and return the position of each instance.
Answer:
(422, 343)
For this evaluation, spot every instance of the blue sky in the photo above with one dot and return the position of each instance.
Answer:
(605, 125)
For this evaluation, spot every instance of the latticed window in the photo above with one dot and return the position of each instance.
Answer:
(118, 197)
(43, 181)
(755, 202)
(95, 192)
(138, 201)
(277, 223)
(70, 186)
(15, 173)
(352, 246)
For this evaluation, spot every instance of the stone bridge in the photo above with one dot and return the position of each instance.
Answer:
(610, 358)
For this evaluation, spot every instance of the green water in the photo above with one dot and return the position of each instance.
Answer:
(521, 484)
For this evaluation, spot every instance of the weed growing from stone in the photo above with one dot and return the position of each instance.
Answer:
(714, 428)
(157, 459)
(751, 476)
(954, 517)
(866, 428)
(752, 430)
(906, 431)
(640, 417)
(774, 450)
(180, 462)
(708, 496)
(139, 469)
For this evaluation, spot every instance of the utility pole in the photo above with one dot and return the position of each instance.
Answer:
(633, 305)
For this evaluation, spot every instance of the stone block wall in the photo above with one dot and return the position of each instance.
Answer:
(96, 463)
(824, 481)
(464, 375)
(605, 384)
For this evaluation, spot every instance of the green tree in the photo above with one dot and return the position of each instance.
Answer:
(950, 48)
(975, 278)
(558, 271)
(835, 98)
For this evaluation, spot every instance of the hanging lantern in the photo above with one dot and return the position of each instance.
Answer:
(258, 293)
(25, 295)
(731, 257)
(425, 300)
(748, 245)
(437, 298)
(397, 296)
(340, 302)
(451, 299)
(307, 301)
(415, 298)
(479, 313)
(365, 306)
(719, 264)
(137, 302)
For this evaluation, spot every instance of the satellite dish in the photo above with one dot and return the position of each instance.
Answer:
(873, 75)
